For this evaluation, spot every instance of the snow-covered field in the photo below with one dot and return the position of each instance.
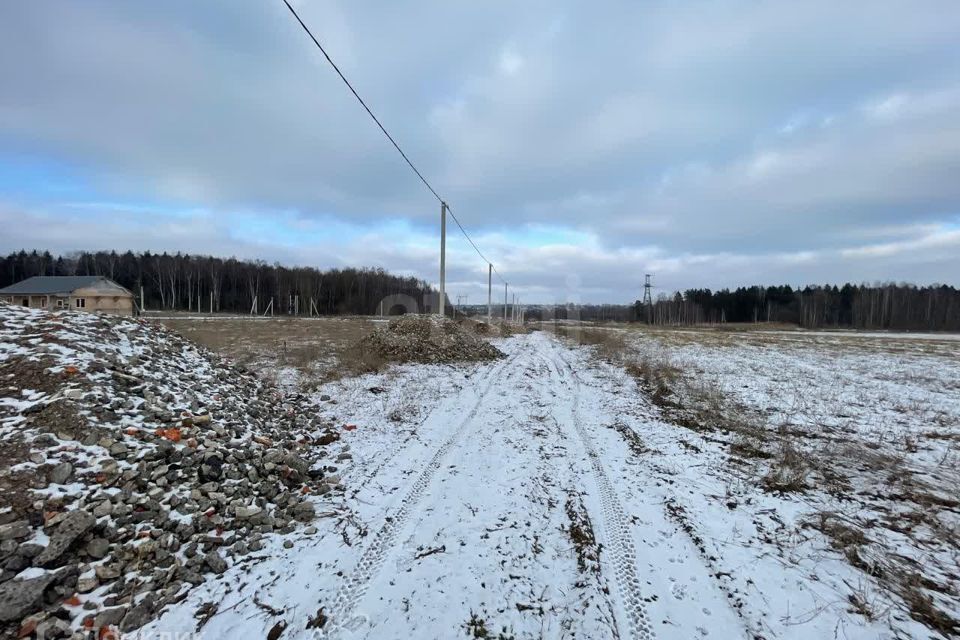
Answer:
(868, 425)
(672, 484)
(547, 496)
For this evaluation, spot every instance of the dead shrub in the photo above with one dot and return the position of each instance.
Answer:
(788, 471)
(858, 605)
(357, 360)
(609, 345)
(658, 374)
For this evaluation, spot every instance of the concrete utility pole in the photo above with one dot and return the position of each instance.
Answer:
(443, 254)
(489, 292)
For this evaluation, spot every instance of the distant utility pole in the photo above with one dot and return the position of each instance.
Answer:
(443, 254)
(444, 209)
(648, 299)
(489, 292)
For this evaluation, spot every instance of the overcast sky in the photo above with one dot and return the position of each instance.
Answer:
(582, 144)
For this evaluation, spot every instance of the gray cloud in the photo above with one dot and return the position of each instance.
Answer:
(717, 143)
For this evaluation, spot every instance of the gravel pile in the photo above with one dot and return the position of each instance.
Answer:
(495, 330)
(135, 465)
(427, 339)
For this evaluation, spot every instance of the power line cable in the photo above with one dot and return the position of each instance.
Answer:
(359, 99)
(387, 133)
(475, 247)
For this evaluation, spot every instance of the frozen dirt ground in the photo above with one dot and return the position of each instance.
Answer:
(539, 496)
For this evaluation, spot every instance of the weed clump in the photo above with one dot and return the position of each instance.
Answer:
(788, 471)
(476, 627)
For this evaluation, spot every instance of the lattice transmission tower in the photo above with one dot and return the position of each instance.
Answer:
(648, 298)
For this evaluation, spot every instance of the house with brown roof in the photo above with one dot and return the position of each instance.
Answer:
(83, 293)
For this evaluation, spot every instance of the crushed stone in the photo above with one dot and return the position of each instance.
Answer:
(428, 339)
(135, 465)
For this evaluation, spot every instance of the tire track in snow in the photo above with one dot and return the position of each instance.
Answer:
(568, 481)
(619, 545)
(373, 557)
(369, 474)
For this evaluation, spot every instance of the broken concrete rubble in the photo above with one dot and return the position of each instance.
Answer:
(171, 463)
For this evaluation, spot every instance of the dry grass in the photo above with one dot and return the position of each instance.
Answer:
(841, 531)
(699, 406)
(791, 462)
(319, 349)
(894, 573)
(355, 360)
(789, 470)
(782, 337)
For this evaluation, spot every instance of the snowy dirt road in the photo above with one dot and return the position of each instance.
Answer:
(502, 500)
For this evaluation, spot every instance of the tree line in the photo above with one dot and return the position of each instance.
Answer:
(186, 282)
(901, 307)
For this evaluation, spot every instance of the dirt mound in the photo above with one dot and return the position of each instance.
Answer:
(427, 339)
(133, 465)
